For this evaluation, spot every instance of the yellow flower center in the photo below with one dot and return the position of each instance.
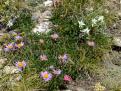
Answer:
(14, 34)
(46, 76)
(19, 45)
(20, 64)
(10, 47)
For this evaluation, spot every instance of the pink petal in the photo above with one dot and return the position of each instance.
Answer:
(67, 78)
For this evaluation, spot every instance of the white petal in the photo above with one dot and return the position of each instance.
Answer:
(94, 21)
(87, 30)
(48, 3)
(101, 18)
(81, 23)
(10, 23)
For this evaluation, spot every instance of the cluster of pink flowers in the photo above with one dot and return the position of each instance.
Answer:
(53, 36)
(54, 72)
(13, 46)
(8, 47)
(17, 44)
(62, 58)
(47, 76)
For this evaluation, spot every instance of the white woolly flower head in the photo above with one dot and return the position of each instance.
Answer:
(86, 30)
(97, 19)
(81, 23)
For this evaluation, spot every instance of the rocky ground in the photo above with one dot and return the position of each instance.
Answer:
(112, 60)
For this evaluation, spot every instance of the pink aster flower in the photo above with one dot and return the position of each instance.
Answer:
(91, 43)
(18, 38)
(43, 57)
(57, 71)
(6, 49)
(55, 36)
(21, 65)
(9, 47)
(67, 78)
(63, 58)
(19, 45)
(46, 75)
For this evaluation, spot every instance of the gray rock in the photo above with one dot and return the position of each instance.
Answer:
(43, 27)
(47, 14)
(114, 57)
(119, 14)
(75, 88)
(10, 70)
(117, 41)
(111, 72)
(36, 15)
(2, 62)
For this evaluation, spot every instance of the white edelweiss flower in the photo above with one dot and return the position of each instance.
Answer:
(81, 23)
(48, 3)
(87, 30)
(101, 18)
(97, 19)
(10, 23)
(94, 22)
